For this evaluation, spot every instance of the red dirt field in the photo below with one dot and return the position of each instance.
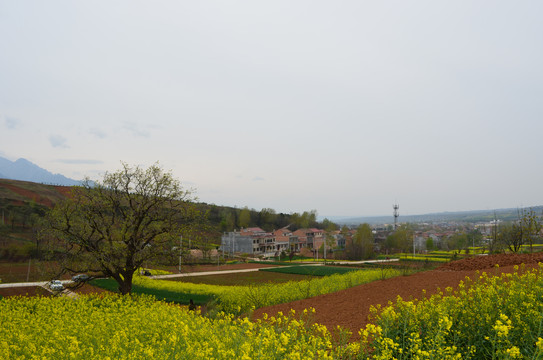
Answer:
(350, 308)
(64, 190)
(24, 291)
(202, 268)
(89, 289)
(29, 194)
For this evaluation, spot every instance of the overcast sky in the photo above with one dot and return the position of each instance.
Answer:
(345, 107)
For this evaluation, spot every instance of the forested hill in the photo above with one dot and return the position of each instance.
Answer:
(22, 201)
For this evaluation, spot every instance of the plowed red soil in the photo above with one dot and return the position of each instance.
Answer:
(202, 268)
(24, 291)
(350, 308)
(29, 194)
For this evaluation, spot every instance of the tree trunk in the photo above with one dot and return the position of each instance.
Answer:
(125, 282)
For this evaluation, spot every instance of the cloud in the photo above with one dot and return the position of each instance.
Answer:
(80, 161)
(136, 129)
(98, 133)
(58, 141)
(188, 183)
(12, 123)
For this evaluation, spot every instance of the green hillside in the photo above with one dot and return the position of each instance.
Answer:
(23, 204)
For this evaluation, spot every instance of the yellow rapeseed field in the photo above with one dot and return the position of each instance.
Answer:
(117, 327)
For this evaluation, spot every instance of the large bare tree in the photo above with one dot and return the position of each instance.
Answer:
(115, 226)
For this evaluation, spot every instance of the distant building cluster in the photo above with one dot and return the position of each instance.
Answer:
(255, 241)
(422, 237)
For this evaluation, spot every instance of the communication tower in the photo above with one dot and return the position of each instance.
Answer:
(396, 215)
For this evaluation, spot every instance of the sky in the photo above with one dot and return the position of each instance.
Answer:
(344, 107)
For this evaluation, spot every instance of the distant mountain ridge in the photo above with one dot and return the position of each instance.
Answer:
(459, 216)
(25, 170)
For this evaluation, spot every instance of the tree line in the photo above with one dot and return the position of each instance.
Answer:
(227, 219)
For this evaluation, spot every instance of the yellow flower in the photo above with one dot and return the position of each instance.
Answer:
(539, 344)
(514, 352)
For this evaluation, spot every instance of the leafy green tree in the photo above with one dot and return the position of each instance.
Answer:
(113, 227)
(494, 244)
(11, 218)
(429, 244)
(361, 245)
(244, 219)
(204, 239)
(267, 218)
(474, 237)
(304, 220)
(329, 225)
(228, 220)
(524, 230)
(401, 239)
(457, 241)
(510, 234)
(329, 228)
(530, 224)
(330, 240)
(311, 218)
(295, 220)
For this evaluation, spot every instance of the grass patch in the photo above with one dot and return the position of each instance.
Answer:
(159, 294)
(311, 270)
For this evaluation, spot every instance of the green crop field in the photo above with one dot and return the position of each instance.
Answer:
(311, 270)
(168, 296)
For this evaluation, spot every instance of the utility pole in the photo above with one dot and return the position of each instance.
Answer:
(180, 251)
(413, 246)
(28, 272)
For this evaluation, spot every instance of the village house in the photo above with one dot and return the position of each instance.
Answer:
(310, 238)
(256, 241)
(285, 240)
